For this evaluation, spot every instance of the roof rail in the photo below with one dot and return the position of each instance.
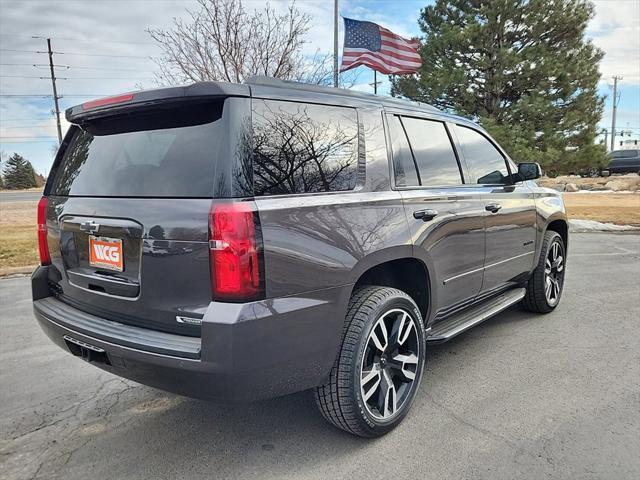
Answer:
(278, 83)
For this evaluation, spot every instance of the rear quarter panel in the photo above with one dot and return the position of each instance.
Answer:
(316, 241)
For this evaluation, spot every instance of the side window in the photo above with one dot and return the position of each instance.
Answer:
(486, 163)
(403, 166)
(432, 149)
(301, 148)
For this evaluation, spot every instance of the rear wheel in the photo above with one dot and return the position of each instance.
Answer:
(546, 284)
(379, 367)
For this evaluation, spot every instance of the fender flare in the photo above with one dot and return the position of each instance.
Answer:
(398, 252)
(552, 218)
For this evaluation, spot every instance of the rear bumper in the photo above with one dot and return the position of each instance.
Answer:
(246, 351)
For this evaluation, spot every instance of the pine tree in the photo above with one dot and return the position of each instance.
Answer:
(2, 158)
(522, 68)
(18, 173)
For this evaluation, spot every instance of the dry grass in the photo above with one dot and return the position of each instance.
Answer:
(18, 246)
(619, 208)
(18, 213)
(18, 237)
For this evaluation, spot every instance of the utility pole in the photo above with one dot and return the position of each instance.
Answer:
(615, 108)
(375, 82)
(55, 90)
(335, 43)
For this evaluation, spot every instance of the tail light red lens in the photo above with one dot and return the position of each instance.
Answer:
(43, 246)
(235, 252)
(103, 102)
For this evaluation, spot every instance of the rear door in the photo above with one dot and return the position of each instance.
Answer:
(128, 213)
(510, 212)
(445, 218)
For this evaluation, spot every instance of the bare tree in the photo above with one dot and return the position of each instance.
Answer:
(318, 70)
(296, 150)
(223, 41)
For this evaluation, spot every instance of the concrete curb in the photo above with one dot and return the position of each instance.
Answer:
(11, 272)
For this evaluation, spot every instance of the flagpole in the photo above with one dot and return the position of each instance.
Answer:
(335, 43)
(375, 82)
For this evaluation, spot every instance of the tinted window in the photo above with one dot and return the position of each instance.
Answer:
(403, 166)
(300, 148)
(157, 155)
(433, 152)
(486, 163)
(625, 153)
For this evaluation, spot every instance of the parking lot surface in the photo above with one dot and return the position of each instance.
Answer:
(520, 396)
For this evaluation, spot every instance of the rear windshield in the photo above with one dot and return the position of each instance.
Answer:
(165, 153)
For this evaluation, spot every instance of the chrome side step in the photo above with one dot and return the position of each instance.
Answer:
(449, 328)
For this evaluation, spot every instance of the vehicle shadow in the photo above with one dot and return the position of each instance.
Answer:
(270, 438)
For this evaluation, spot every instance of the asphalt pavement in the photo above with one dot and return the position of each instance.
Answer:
(20, 196)
(520, 396)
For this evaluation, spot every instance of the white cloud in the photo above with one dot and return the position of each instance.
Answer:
(118, 28)
(616, 30)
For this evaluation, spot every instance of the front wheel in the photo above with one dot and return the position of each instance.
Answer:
(545, 286)
(379, 367)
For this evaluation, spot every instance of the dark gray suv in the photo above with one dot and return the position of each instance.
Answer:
(237, 242)
(625, 161)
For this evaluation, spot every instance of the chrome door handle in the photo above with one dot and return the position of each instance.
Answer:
(425, 215)
(493, 207)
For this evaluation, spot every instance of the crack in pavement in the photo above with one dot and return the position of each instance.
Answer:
(64, 429)
(486, 432)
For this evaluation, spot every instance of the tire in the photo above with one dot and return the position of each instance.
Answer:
(538, 298)
(391, 375)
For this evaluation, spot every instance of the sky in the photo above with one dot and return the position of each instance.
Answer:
(104, 49)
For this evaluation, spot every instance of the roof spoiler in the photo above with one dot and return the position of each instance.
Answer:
(131, 101)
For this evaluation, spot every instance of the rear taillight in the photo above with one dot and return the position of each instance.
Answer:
(43, 246)
(235, 252)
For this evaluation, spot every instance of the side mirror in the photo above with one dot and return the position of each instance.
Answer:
(529, 171)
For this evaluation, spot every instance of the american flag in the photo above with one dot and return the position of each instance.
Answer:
(367, 43)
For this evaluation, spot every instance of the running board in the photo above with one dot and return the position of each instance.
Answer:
(458, 323)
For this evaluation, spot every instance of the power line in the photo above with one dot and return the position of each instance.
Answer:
(41, 137)
(31, 76)
(21, 95)
(42, 65)
(109, 78)
(92, 40)
(97, 55)
(77, 95)
(23, 76)
(28, 126)
(28, 141)
(23, 119)
(75, 53)
(107, 69)
(18, 51)
(77, 78)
